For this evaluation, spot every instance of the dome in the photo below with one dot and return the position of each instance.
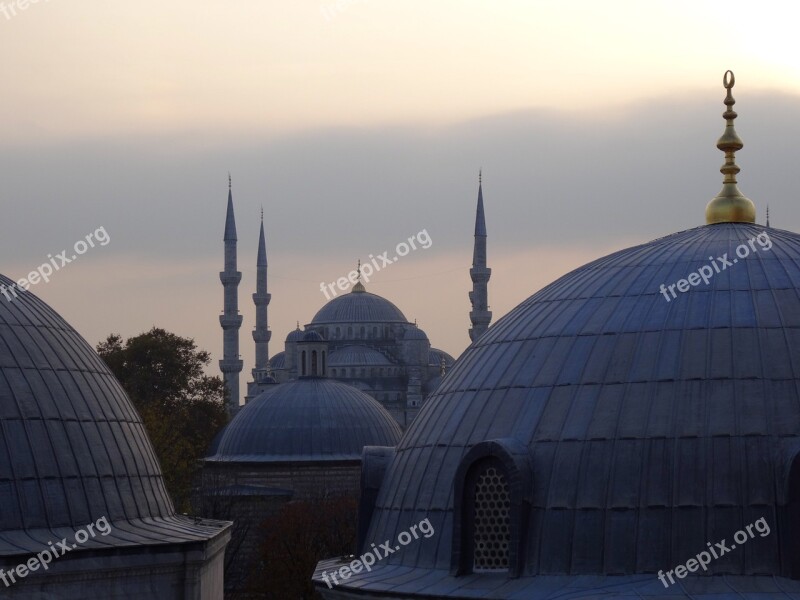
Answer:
(359, 307)
(358, 356)
(278, 361)
(309, 419)
(295, 336)
(414, 333)
(74, 448)
(650, 424)
(312, 336)
(435, 357)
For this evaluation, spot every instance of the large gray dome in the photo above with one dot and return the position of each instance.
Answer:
(359, 307)
(642, 428)
(308, 419)
(72, 447)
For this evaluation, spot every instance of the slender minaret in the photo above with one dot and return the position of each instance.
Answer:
(261, 334)
(231, 320)
(480, 315)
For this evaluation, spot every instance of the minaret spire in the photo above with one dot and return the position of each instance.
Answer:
(261, 334)
(231, 320)
(480, 315)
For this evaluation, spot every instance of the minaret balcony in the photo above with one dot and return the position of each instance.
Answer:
(231, 365)
(260, 336)
(230, 278)
(261, 299)
(230, 321)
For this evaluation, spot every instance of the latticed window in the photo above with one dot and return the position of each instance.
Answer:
(491, 527)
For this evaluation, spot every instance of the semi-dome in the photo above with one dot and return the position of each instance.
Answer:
(359, 307)
(357, 356)
(278, 361)
(414, 333)
(638, 425)
(308, 419)
(436, 355)
(74, 448)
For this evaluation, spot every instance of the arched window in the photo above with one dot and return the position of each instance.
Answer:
(374, 331)
(489, 507)
(492, 492)
(338, 332)
(303, 363)
(333, 372)
(349, 332)
(314, 362)
(363, 332)
(324, 360)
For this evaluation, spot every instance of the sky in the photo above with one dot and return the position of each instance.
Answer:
(360, 123)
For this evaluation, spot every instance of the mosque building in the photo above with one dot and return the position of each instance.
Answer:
(84, 512)
(358, 338)
(631, 430)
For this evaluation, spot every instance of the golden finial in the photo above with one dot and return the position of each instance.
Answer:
(730, 206)
(442, 367)
(230, 182)
(359, 287)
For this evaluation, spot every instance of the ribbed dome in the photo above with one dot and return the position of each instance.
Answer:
(295, 335)
(357, 307)
(72, 447)
(278, 361)
(357, 356)
(309, 419)
(652, 427)
(414, 333)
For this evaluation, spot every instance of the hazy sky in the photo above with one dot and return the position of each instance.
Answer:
(360, 123)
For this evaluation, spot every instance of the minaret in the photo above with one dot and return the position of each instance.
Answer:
(261, 334)
(480, 315)
(231, 320)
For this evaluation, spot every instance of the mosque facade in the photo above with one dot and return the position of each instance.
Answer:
(358, 338)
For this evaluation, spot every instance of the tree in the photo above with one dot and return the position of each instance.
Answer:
(296, 539)
(181, 407)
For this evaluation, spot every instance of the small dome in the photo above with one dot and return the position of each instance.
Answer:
(359, 307)
(313, 336)
(278, 361)
(295, 336)
(357, 356)
(414, 333)
(312, 419)
(435, 357)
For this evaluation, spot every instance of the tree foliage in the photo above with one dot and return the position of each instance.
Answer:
(181, 407)
(297, 538)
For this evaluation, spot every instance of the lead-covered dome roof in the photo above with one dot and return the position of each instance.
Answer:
(72, 447)
(308, 419)
(359, 307)
(651, 426)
